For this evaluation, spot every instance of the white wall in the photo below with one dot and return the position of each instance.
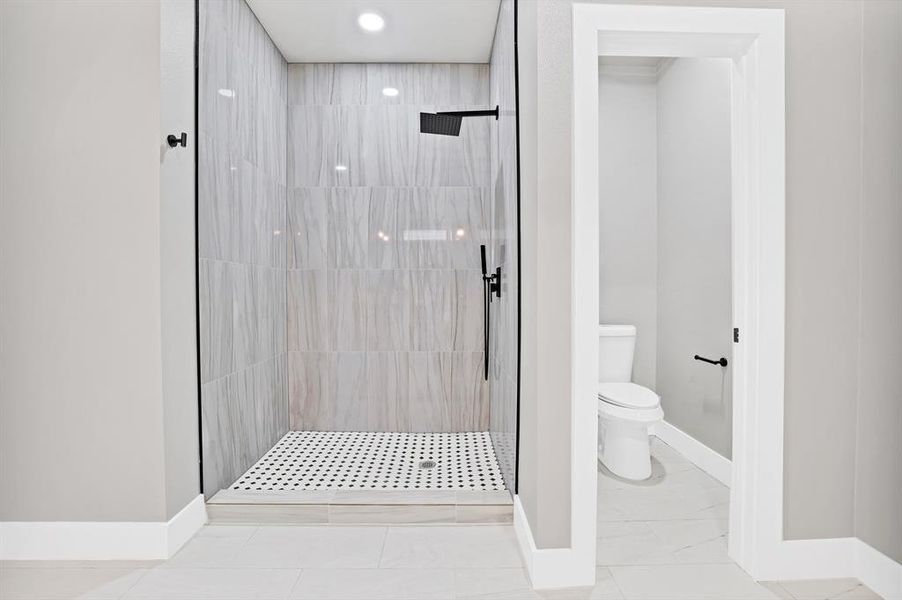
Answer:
(81, 346)
(694, 248)
(628, 213)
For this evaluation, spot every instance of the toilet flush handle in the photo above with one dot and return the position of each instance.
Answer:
(722, 362)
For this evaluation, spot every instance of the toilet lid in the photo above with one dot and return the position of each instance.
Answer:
(628, 395)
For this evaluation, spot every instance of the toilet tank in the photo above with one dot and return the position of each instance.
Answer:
(616, 345)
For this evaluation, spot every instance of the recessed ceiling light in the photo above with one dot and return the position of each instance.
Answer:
(370, 21)
(341, 168)
(390, 92)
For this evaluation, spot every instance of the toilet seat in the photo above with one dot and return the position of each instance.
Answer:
(628, 395)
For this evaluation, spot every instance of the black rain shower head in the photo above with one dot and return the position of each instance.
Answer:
(448, 123)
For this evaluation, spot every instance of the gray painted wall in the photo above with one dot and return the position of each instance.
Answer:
(825, 295)
(84, 236)
(878, 458)
(628, 206)
(545, 154)
(504, 250)
(242, 115)
(664, 200)
(695, 311)
(177, 282)
(385, 326)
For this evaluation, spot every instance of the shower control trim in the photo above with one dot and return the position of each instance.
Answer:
(491, 286)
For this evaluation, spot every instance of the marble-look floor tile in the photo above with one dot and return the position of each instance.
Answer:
(828, 589)
(375, 584)
(693, 541)
(219, 584)
(629, 543)
(514, 584)
(723, 582)
(420, 547)
(51, 583)
(307, 547)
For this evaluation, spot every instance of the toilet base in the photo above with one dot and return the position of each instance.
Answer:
(623, 448)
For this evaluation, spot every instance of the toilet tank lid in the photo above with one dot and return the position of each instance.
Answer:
(628, 395)
(616, 330)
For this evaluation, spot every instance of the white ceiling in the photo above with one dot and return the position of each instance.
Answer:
(415, 30)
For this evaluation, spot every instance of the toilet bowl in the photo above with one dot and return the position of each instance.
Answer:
(625, 409)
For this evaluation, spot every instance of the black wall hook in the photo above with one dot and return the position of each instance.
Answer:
(174, 141)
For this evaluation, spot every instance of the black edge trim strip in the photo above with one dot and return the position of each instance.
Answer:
(200, 428)
(519, 250)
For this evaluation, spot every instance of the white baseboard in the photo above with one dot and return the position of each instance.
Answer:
(704, 458)
(65, 540)
(551, 567)
(807, 559)
(831, 559)
(878, 571)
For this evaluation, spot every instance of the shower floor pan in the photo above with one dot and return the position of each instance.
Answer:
(369, 477)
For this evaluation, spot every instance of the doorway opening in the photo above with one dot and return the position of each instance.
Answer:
(745, 412)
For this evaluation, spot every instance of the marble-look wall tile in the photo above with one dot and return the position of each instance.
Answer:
(310, 379)
(242, 223)
(429, 391)
(348, 300)
(388, 324)
(387, 218)
(433, 310)
(217, 200)
(319, 84)
(469, 318)
(215, 320)
(469, 392)
(388, 391)
(308, 311)
(348, 228)
(349, 402)
(308, 211)
(396, 230)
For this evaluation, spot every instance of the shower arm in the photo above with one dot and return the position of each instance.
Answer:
(471, 113)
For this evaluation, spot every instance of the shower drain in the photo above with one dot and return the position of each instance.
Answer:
(427, 464)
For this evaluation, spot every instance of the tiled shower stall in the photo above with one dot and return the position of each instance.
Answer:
(341, 294)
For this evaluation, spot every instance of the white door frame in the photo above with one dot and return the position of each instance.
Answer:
(754, 40)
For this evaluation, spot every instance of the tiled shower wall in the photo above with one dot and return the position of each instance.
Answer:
(384, 291)
(242, 229)
(505, 252)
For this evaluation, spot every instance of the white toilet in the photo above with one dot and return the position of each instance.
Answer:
(625, 409)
